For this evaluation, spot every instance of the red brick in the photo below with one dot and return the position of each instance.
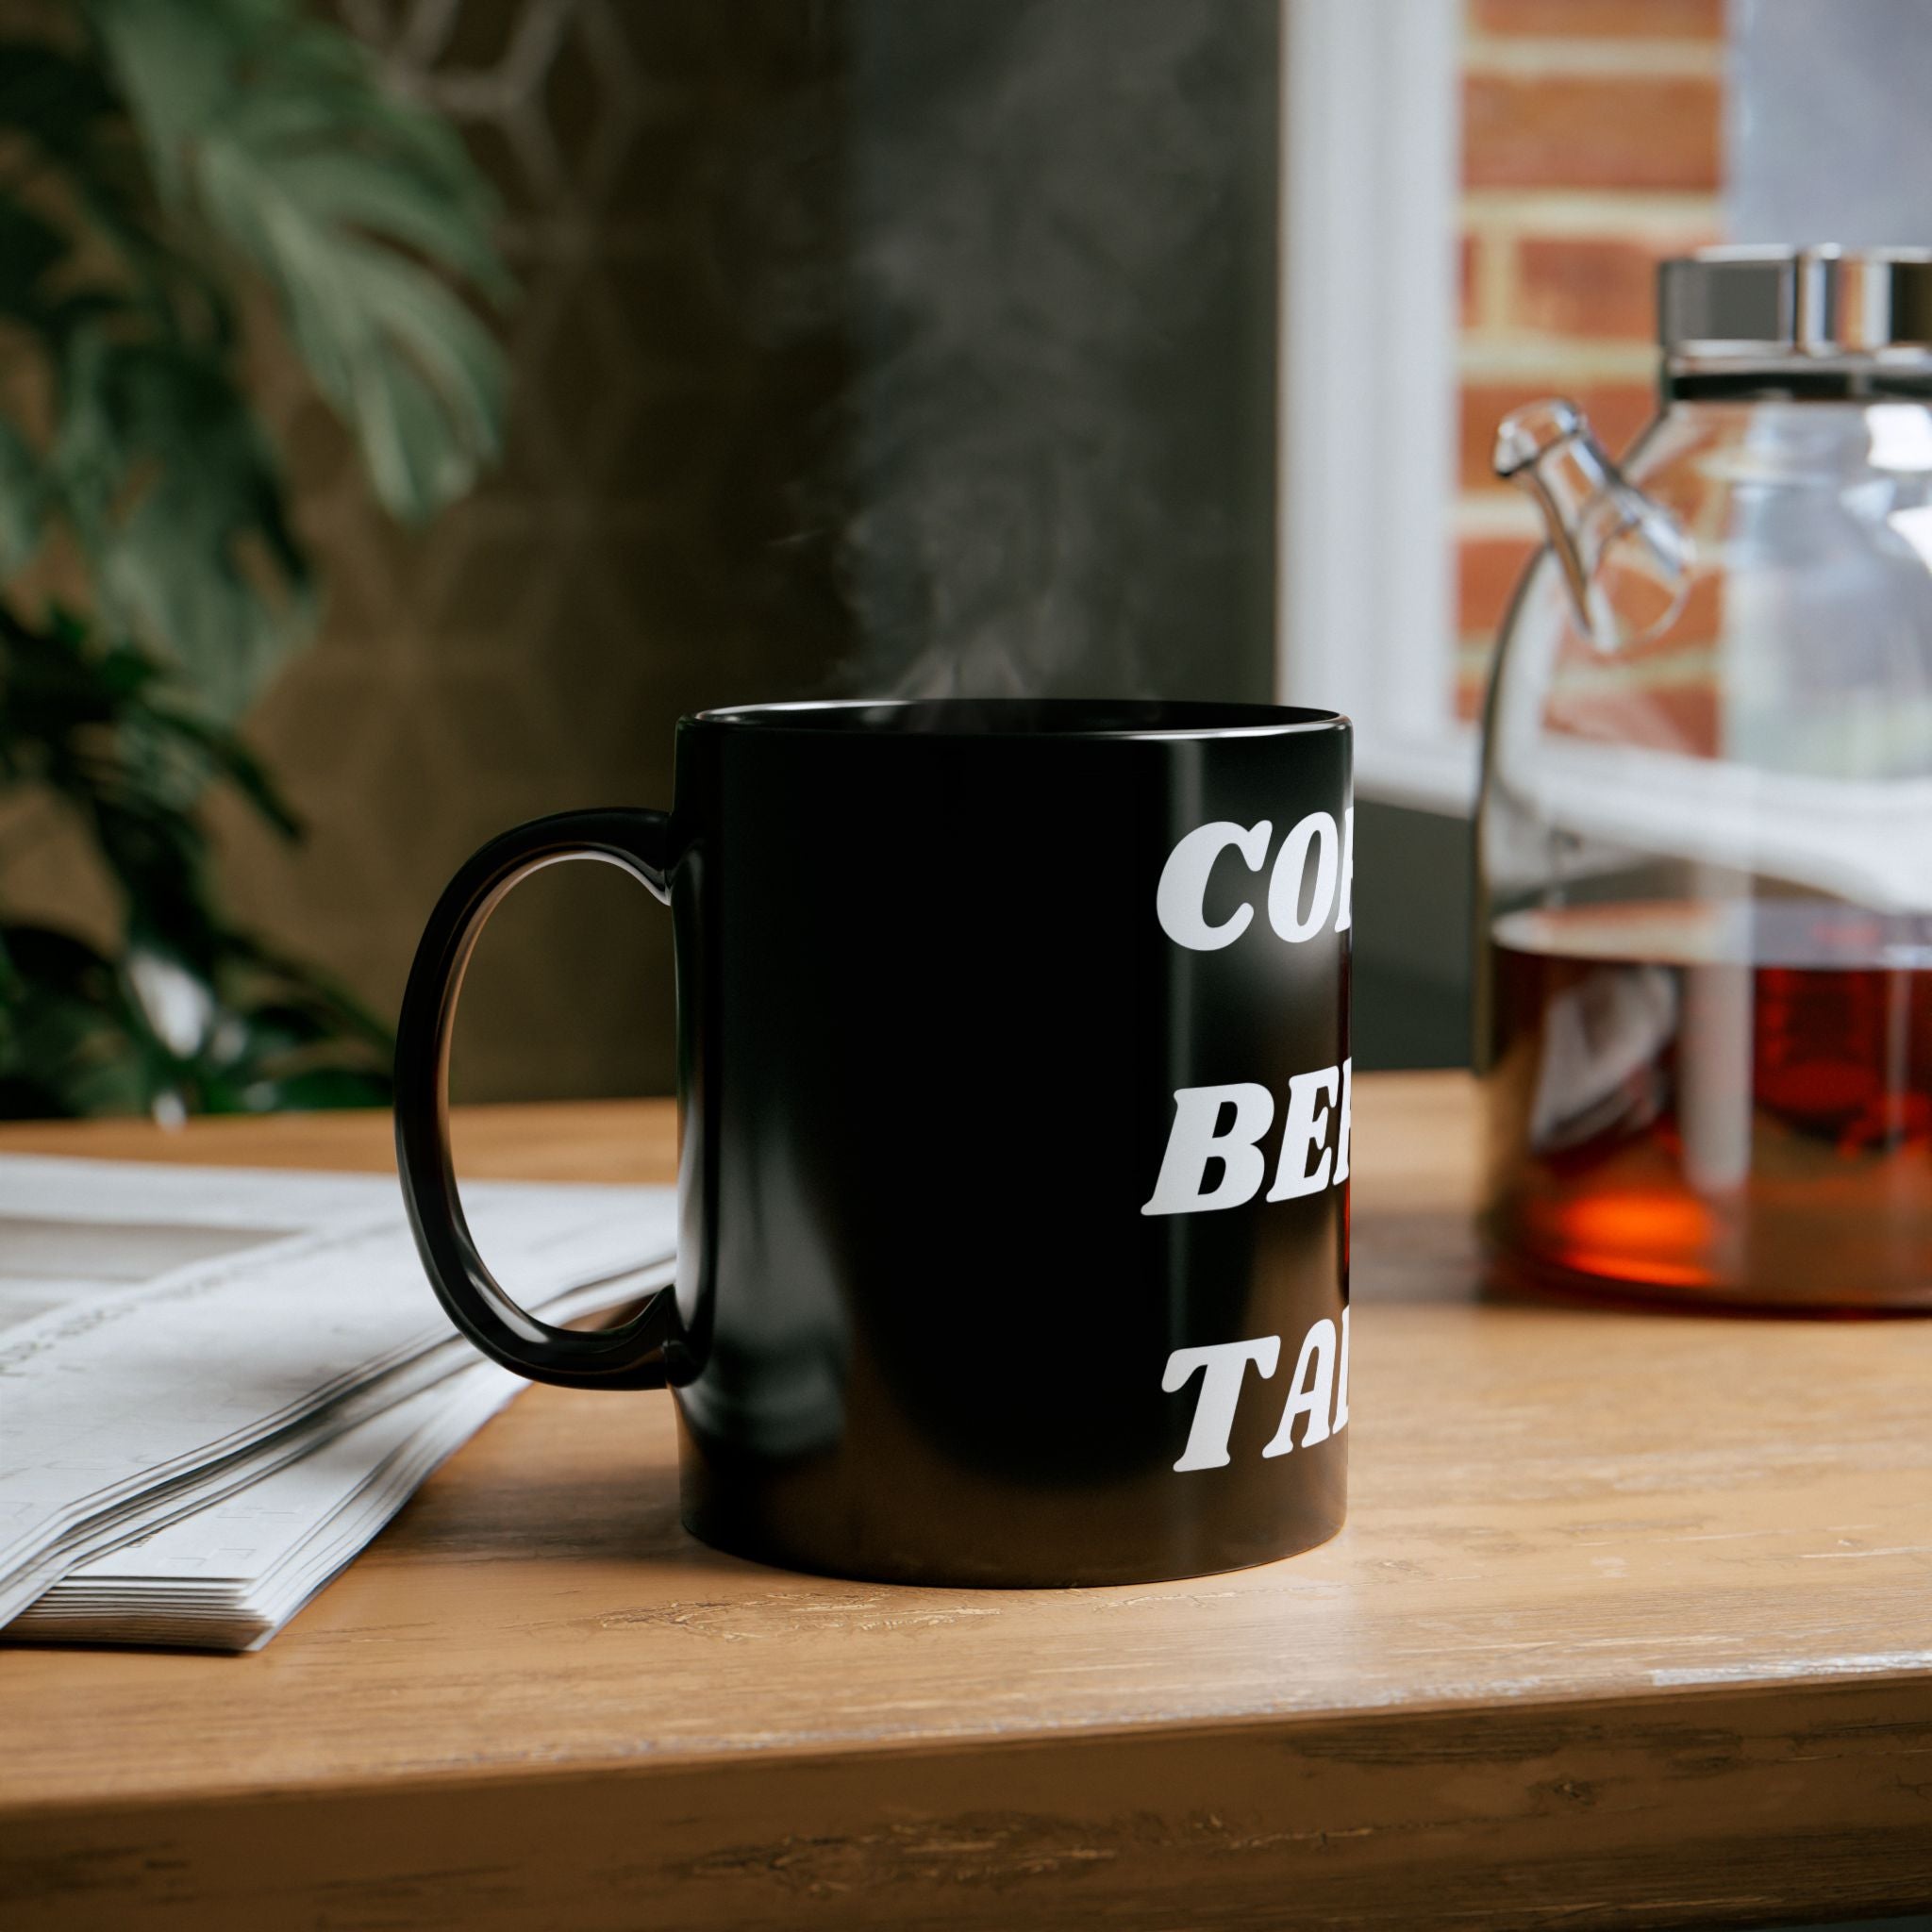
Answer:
(1675, 718)
(1466, 272)
(1662, 20)
(1617, 412)
(1587, 287)
(1486, 571)
(1574, 130)
(1471, 687)
(1698, 625)
(1689, 638)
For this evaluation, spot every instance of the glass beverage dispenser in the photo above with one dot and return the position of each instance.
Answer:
(1705, 838)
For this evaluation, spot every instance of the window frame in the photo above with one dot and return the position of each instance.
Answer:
(1371, 159)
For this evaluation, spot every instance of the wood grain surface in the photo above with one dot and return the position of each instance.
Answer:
(1631, 1625)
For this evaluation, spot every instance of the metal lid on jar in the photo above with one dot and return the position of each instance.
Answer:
(1739, 307)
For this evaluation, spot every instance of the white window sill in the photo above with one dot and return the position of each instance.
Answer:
(1435, 773)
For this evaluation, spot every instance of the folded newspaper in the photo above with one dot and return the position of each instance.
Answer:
(217, 1385)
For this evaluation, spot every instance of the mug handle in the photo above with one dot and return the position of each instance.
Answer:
(629, 1357)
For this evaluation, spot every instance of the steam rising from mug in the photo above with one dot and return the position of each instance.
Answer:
(1055, 453)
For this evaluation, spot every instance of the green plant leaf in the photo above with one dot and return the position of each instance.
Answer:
(29, 248)
(173, 65)
(65, 1048)
(158, 150)
(176, 498)
(227, 758)
(53, 97)
(23, 500)
(312, 1088)
(74, 130)
(352, 201)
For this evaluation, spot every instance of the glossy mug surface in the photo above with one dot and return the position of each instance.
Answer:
(1014, 1094)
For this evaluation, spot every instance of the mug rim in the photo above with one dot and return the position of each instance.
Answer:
(1028, 718)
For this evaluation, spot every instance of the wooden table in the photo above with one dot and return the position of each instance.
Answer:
(1631, 1625)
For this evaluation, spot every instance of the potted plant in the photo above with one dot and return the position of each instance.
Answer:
(171, 172)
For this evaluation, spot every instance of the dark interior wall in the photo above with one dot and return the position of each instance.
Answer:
(1062, 272)
(666, 171)
(1412, 954)
(863, 344)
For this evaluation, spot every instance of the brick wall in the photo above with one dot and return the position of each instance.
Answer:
(1591, 147)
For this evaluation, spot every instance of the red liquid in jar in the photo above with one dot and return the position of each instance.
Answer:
(1715, 1103)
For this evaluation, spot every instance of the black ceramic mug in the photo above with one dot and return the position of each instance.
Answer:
(1015, 1088)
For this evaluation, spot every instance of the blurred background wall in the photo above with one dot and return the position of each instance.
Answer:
(861, 346)
(902, 346)
(643, 551)
(893, 345)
